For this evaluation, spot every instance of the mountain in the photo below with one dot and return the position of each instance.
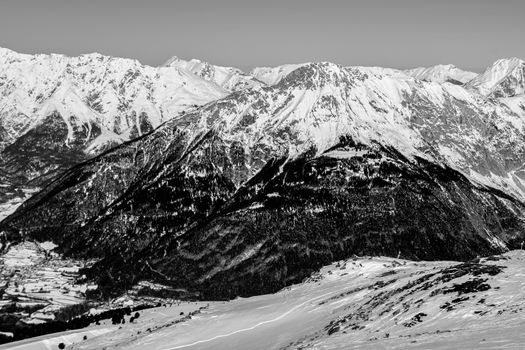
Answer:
(505, 78)
(121, 96)
(504, 81)
(228, 78)
(272, 75)
(442, 73)
(57, 111)
(254, 191)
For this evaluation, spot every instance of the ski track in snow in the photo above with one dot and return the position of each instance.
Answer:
(252, 327)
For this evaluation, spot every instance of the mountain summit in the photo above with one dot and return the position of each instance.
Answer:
(442, 73)
(505, 78)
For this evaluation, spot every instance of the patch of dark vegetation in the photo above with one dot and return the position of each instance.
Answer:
(381, 284)
(22, 330)
(342, 295)
(188, 317)
(14, 307)
(474, 269)
(167, 293)
(69, 312)
(451, 305)
(471, 286)
(460, 270)
(336, 325)
(460, 299)
(388, 273)
(496, 258)
(481, 312)
(418, 318)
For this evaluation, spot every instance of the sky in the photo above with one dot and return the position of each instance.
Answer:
(246, 33)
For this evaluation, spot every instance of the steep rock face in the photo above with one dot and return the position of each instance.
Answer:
(503, 82)
(274, 181)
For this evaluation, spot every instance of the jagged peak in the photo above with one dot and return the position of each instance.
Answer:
(314, 74)
(504, 78)
(510, 61)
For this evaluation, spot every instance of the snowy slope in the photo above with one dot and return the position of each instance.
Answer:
(359, 303)
(442, 73)
(231, 79)
(272, 75)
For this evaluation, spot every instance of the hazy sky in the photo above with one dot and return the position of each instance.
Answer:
(244, 33)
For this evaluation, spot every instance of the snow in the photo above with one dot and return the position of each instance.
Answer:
(94, 90)
(441, 73)
(502, 69)
(229, 78)
(104, 140)
(316, 103)
(359, 303)
(371, 104)
(272, 75)
(452, 156)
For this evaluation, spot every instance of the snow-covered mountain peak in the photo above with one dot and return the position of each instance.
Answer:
(272, 75)
(229, 78)
(507, 64)
(56, 111)
(504, 78)
(109, 87)
(313, 75)
(5, 51)
(442, 73)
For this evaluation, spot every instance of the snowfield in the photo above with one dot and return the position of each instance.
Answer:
(359, 303)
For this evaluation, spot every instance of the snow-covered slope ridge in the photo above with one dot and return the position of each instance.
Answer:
(229, 78)
(442, 73)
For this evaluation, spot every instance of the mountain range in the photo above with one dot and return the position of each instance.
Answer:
(222, 183)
